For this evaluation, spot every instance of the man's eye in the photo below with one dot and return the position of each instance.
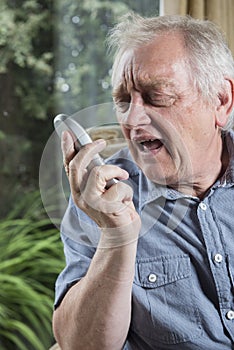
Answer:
(122, 106)
(161, 101)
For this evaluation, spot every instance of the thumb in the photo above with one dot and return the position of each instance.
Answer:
(67, 146)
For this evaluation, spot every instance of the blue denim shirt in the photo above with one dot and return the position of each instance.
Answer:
(183, 289)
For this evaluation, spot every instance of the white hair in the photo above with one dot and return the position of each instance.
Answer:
(209, 59)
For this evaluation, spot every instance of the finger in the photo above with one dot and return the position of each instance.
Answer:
(111, 200)
(101, 175)
(67, 145)
(78, 165)
(117, 199)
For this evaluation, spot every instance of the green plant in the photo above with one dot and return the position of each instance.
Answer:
(30, 259)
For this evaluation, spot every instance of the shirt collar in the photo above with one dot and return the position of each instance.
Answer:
(154, 191)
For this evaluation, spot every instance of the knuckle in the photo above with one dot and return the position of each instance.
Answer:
(97, 170)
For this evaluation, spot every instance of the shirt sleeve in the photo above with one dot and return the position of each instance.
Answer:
(80, 236)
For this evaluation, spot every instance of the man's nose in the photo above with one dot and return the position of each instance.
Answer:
(135, 116)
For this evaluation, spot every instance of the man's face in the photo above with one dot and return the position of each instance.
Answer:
(169, 128)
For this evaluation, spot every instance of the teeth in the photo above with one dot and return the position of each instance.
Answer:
(149, 140)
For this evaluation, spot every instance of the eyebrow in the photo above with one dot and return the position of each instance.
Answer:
(155, 84)
(143, 85)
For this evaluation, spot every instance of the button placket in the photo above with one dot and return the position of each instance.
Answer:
(208, 215)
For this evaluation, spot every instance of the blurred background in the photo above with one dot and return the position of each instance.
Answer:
(53, 59)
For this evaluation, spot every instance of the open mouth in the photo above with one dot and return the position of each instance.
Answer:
(151, 145)
(148, 143)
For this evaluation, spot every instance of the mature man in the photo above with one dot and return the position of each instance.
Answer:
(161, 276)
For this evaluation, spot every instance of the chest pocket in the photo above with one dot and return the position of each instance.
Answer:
(164, 306)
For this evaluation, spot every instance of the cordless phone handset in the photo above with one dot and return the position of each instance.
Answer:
(62, 123)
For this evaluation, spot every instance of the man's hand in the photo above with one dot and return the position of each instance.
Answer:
(112, 209)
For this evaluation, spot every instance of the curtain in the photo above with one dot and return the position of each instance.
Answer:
(220, 12)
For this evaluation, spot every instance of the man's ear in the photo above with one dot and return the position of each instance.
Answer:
(226, 103)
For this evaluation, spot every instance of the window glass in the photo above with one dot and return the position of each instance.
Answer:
(53, 59)
(82, 76)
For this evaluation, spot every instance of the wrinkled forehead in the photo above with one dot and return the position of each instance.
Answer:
(122, 61)
(161, 57)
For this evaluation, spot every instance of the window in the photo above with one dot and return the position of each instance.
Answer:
(53, 59)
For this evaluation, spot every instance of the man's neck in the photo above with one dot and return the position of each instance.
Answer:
(203, 180)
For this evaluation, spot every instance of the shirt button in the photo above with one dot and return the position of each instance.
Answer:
(152, 277)
(203, 206)
(218, 258)
(230, 315)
